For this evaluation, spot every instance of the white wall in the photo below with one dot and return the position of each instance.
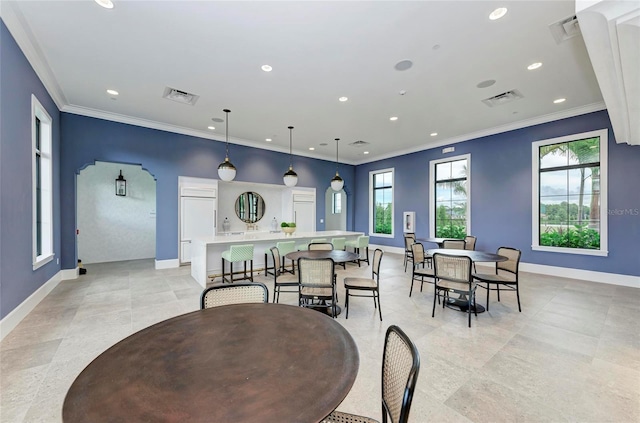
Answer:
(114, 228)
(273, 199)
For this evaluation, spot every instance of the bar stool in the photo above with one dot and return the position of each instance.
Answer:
(340, 244)
(285, 247)
(358, 244)
(235, 254)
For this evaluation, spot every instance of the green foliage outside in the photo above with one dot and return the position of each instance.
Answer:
(562, 213)
(382, 219)
(451, 230)
(577, 237)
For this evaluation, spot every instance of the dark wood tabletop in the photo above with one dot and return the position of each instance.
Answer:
(475, 256)
(236, 363)
(439, 241)
(339, 256)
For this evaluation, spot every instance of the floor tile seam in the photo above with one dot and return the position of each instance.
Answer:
(588, 361)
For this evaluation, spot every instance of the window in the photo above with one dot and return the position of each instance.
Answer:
(569, 210)
(449, 203)
(381, 204)
(337, 203)
(42, 185)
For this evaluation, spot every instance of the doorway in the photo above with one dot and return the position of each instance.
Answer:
(335, 210)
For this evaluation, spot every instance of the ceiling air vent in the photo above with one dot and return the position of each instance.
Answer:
(180, 96)
(565, 29)
(503, 98)
(359, 143)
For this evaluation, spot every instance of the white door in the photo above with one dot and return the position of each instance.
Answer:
(304, 214)
(197, 220)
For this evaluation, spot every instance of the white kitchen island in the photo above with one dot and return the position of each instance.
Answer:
(206, 252)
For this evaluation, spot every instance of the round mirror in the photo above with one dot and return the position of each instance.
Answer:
(250, 207)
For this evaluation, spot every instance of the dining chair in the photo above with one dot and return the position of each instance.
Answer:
(282, 279)
(409, 240)
(400, 368)
(317, 283)
(320, 246)
(238, 293)
(305, 246)
(505, 276)
(371, 285)
(361, 243)
(470, 244)
(421, 267)
(453, 276)
(284, 247)
(454, 244)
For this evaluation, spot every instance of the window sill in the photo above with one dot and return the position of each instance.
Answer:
(42, 260)
(580, 251)
(381, 235)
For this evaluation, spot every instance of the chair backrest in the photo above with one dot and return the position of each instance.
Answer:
(452, 268)
(323, 246)
(316, 273)
(236, 293)
(470, 242)
(363, 241)
(400, 367)
(512, 264)
(409, 240)
(375, 269)
(286, 247)
(339, 243)
(455, 244)
(417, 249)
(241, 252)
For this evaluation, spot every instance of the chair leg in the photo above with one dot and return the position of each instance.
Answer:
(488, 290)
(469, 309)
(433, 311)
(222, 270)
(358, 253)
(377, 293)
(251, 277)
(498, 286)
(411, 289)
(266, 265)
(518, 296)
(346, 303)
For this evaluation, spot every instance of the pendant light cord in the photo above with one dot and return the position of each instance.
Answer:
(337, 139)
(290, 147)
(227, 111)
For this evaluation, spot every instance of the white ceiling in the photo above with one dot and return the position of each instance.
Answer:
(319, 51)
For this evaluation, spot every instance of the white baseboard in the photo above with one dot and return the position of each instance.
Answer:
(11, 320)
(167, 264)
(67, 274)
(387, 249)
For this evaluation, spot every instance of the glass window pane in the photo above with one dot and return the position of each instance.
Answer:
(443, 171)
(553, 183)
(459, 190)
(553, 155)
(459, 169)
(387, 179)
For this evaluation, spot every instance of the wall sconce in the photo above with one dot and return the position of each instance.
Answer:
(121, 186)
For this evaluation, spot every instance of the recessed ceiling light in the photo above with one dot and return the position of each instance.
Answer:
(112, 92)
(559, 100)
(323, 144)
(487, 83)
(498, 13)
(403, 65)
(393, 118)
(535, 65)
(433, 134)
(343, 98)
(366, 152)
(268, 139)
(266, 68)
(312, 148)
(211, 127)
(107, 4)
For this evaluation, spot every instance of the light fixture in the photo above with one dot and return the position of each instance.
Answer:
(343, 99)
(226, 170)
(433, 134)
(312, 148)
(393, 118)
(121, 186)
(366, 152)
(337, 182)
(290, 177)
(112, 92)
(498, 13)
(266, 68)
(211, 127)
(268, 139)
(559, 100)
(107, 4)
(535, 65)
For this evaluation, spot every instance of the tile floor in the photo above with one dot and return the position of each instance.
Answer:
(573, 354)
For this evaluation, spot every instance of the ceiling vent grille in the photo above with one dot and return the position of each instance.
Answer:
(359, 143)
(565, 29)
(180, 96)
(503, 98)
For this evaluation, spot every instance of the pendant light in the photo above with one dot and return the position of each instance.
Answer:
(337, 182)
(226, 170)
(290, 177)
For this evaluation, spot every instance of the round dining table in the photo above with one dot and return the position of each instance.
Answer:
(439, 241)
(461, 304)
(236, 363)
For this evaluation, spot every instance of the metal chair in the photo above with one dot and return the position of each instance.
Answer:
(400, 367)
(317, 284)
(453, 275)
(280, 279)
(362, 242)
(239, 293)
(305, 246)
(409, 240)
(470, 242)
(365, 284)
(454, 244)
(506, 274)
(320, 246)
(420, 268)
(284, 247)
(235, 254)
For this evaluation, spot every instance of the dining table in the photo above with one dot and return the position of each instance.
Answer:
(237, 363)
(439, 241)
(461, 303)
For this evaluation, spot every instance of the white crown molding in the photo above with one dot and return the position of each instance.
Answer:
(576, 111)
(18, 27)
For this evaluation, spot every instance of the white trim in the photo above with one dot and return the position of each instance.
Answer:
(393, 199)
(386, 249)
(167, 264)
(11, 320)
(586, 275)
(432, 190)
(70, 274)
(604, 193)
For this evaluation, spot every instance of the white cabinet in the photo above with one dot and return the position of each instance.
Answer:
(304, 212)
(197, 217)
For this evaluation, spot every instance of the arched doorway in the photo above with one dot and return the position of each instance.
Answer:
(335, 210)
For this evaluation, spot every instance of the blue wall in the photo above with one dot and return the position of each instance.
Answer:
(166, 156)
(501, 196)
(18, 82)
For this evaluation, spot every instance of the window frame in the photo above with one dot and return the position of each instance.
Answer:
(42, 184)
(432, 190)
(372, 206)
(336, 202)
(535, 189)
